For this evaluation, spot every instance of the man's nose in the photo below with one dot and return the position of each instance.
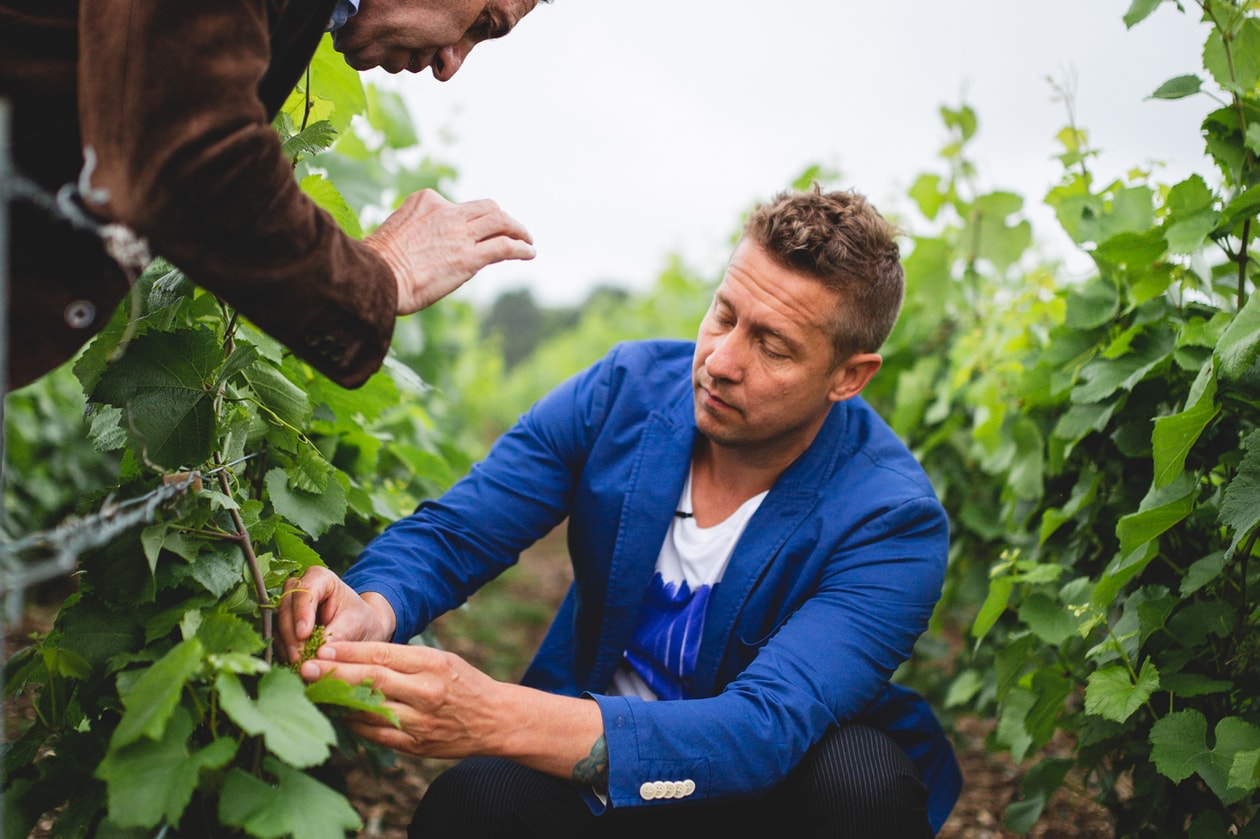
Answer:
(723, 361)
(448, 60)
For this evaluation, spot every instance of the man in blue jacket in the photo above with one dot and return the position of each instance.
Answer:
(754, 553)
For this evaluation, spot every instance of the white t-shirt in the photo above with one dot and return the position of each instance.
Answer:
(662, 654)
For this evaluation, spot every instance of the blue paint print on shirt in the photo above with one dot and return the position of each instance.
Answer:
(665, 644)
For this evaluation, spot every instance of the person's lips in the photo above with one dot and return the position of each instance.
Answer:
(715, 402)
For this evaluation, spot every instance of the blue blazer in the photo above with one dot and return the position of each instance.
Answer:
(833, 580)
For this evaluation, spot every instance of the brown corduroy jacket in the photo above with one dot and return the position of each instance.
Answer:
(176, 98)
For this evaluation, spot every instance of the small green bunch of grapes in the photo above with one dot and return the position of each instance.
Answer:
(311, 647)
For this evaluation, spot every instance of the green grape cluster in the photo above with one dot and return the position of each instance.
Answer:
(311, 647)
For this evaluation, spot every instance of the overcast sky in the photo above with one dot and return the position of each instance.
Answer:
(619, 131)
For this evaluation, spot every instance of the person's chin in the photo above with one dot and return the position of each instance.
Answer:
(355, 58)
(360, 63)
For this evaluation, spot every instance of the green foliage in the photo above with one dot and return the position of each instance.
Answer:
(1096, 446)
(52, 465)
(157, 704)
(673, 308)
(1095, 442)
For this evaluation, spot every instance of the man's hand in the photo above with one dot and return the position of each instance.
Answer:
(449, 709)
(321, 597)
(435, 246)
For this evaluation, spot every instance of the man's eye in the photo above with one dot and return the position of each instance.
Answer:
(480, 30)
(486, 28)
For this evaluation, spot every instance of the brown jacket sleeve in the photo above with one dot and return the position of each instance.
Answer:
(169, 101)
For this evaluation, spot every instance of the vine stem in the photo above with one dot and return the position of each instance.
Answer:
(1241, 623)
(242, 533)
(306, 95)
(1226, 40)
(251, 558)
(1242, 263)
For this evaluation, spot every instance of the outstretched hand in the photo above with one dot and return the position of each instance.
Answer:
(435, 246)
(448, 708)
(445, 706)
(321, 597)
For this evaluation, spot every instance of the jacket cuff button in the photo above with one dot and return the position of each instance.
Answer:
(80, 314)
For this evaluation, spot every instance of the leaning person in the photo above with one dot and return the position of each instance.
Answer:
(754, 554)
(158, 112)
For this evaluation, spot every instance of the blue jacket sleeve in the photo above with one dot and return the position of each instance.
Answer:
(434, 559)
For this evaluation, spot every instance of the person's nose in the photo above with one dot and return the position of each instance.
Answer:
(448, 60)
(723, 361)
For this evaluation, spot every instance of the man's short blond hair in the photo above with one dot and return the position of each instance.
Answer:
(842, 241)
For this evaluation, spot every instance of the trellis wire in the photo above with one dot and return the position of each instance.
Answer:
(57, 551)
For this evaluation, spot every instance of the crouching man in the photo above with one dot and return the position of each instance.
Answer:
(754, 553)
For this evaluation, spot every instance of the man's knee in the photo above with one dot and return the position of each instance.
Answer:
(858, 777)
(465, 800)
(488, 797)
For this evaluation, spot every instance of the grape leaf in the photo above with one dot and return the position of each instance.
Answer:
(1174, 436)
(149, 780)
(313, 513)
(1240, 343)
(1179, 749)
(151, 700)
(1178, 87)
(163, 383)
(1112, 694)
(1240, 507)
(1139, 10)
(292, 727)
(333, 691)
(295, 805)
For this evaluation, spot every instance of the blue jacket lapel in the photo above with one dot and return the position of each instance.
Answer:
(663, 460)
(790, 501)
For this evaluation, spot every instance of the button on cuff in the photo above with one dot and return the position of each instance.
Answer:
(652, 790)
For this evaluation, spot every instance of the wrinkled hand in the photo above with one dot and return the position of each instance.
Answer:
(449, 709)
(445, 706)
(435, 246)
(321, 597)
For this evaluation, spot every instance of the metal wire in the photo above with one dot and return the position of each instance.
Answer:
(57, 551)
(52, 553)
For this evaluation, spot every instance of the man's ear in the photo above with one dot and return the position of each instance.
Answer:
(852, 374)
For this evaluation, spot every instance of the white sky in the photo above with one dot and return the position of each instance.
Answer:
(619, 131)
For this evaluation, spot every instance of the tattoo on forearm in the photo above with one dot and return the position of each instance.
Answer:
(593, 769)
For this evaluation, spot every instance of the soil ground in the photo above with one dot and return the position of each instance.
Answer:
(499, 630)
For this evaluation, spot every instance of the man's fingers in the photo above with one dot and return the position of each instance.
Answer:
(289, 622)
(498, 249)
(497, 223)
(400, 658)
(299, 607)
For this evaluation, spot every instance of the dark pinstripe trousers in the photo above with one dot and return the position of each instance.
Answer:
(855, 783)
